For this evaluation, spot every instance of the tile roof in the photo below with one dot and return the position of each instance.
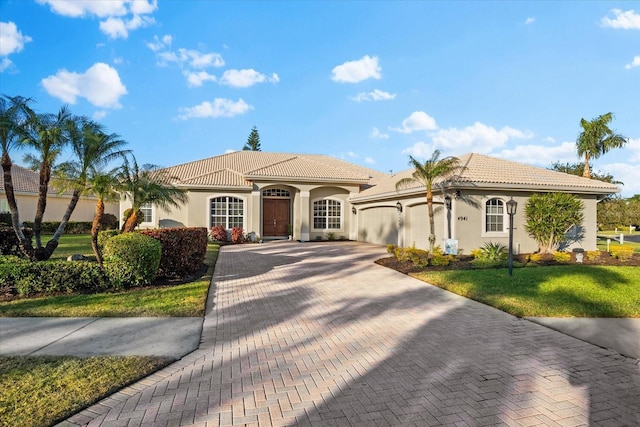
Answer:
(27, 181)
(490, 172)
(239, 167)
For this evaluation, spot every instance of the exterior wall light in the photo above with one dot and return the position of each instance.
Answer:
(399, 206)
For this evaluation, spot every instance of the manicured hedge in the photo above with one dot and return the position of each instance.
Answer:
(183, 249)
(9, 244)
(51, 277)
(76, 227)
(131, 259)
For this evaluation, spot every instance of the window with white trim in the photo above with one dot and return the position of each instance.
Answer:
(494, 216)
(327, 214)
(227, 211)
(147, 212)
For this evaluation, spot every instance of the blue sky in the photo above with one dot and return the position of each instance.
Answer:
(368, 82)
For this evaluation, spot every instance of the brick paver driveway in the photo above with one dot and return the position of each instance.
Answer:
(316, 334)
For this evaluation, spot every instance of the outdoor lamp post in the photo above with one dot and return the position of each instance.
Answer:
(512, 205)
(447, 203)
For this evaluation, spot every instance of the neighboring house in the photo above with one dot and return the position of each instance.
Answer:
(268, 194)
(26, 183)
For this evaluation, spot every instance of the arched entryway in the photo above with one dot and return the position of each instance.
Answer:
(276, 212)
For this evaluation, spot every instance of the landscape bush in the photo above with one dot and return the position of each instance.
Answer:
(237, 235)
(218, 233)
(622, 252)
(51, 277)
(391, 249)
(131, 259)
(9, 244)
(105, 235)
(562, 257)
(183, 249)
(490, 255)
(536, 258)
(593, 255)
(5, 218)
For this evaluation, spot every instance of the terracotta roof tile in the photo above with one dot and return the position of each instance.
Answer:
(483, 171)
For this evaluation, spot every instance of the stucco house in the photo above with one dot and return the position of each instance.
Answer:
(26, 183)
(311, 196)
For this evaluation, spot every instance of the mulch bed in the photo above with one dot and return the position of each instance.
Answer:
(463, 262)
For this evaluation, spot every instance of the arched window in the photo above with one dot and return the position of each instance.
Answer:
(327, 214)
(494, 216)
(227, 211)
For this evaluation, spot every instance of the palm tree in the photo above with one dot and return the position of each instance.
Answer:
(427, 174)
(93, 149)
(148, 185)
(103, 185)
(47, 134)
(14, 112)
(596, 139)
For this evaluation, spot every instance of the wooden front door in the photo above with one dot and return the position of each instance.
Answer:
(275, 217)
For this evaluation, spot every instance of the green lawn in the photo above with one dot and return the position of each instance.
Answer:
(40, 391)
(70, 244)
(554, 291)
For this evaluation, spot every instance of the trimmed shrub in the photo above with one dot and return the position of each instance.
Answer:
(401, 254)
(562, 257)
(5, 218)
(9, 244)
(105, 235)
(593, 255)
(391, 249)
(622, 252)
(537, 257)
(183, 249)
(51, 277)
(440, 259)
(218, 233)
(131, 259)
(109, 222)
(418, 257)
(236, 235)
(73, 227)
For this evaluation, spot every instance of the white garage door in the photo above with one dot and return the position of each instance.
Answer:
(378, 225)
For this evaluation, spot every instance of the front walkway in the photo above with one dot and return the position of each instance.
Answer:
(315, 334)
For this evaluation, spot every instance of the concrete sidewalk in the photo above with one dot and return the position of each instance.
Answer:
(90, 336)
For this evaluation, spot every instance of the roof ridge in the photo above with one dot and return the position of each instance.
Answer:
(270, 165)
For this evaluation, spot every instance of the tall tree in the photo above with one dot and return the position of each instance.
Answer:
(253, 142)
(428, 174)
(93, 149)
(597, 139)
(14, 113)
(47, 135)
(148, 185)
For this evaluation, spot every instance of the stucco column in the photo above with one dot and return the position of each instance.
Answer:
(304, 216)
(353, 220)
(254, 219)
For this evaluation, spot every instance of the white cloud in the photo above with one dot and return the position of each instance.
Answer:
(626, 20)
(5, 63)
(530, 20)
(549, 139)
(626, 173)
(357, 71)
(118, 60)
(417, 121)
(351, 154)
(158, 44)
(117, 17)
(634, 146)
(99, 115)
(542, 155)
(229, 150)
(376, 134)
(246, 78)
(478, 138)
(220, 107)
(634, 63)
(420, 150)
(369, 160)
(376, 95)
(11, 39)
(196, 79)
(192, 58)
(100, 85)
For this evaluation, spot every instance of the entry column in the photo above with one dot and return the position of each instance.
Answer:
(305, 235)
